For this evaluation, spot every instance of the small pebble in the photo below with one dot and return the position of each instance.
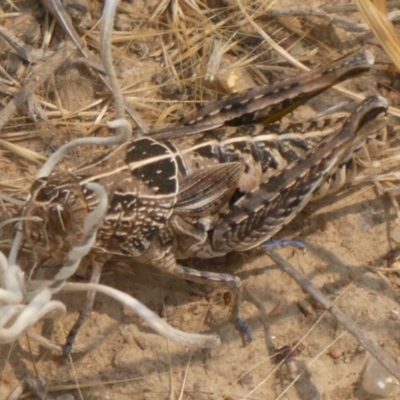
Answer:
(346, 229)
(335, 352)
(376, 380)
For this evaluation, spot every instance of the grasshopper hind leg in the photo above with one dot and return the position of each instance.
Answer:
(217, 280)
(279, 243)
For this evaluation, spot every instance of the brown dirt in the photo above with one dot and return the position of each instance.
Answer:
(345, 236)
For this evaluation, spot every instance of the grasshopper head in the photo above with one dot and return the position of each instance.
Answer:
(57, 208)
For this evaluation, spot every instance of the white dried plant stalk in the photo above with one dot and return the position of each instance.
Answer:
(20, 307)
(24, 303)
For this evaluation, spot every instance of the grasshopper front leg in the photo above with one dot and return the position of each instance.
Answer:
(217, 280)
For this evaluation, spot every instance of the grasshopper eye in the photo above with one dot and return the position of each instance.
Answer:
(59, 219)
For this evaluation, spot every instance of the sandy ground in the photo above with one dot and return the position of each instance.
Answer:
(346, 235)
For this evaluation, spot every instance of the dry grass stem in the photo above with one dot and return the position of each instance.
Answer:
(170, 56)
(382, 28)
(40, 74)
(339, 316)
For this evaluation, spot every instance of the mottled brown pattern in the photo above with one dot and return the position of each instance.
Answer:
(164, 205)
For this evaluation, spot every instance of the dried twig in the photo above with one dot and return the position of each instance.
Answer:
(341, 317)
(26, 52)
(382, 28)
(106, 56)
(298, 64)
(22, 305)
(345, 8)
(155, 322)
(316, 12)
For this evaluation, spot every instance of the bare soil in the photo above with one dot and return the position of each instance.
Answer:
(346, 235)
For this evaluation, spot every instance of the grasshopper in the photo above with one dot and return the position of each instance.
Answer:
(228, 188)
